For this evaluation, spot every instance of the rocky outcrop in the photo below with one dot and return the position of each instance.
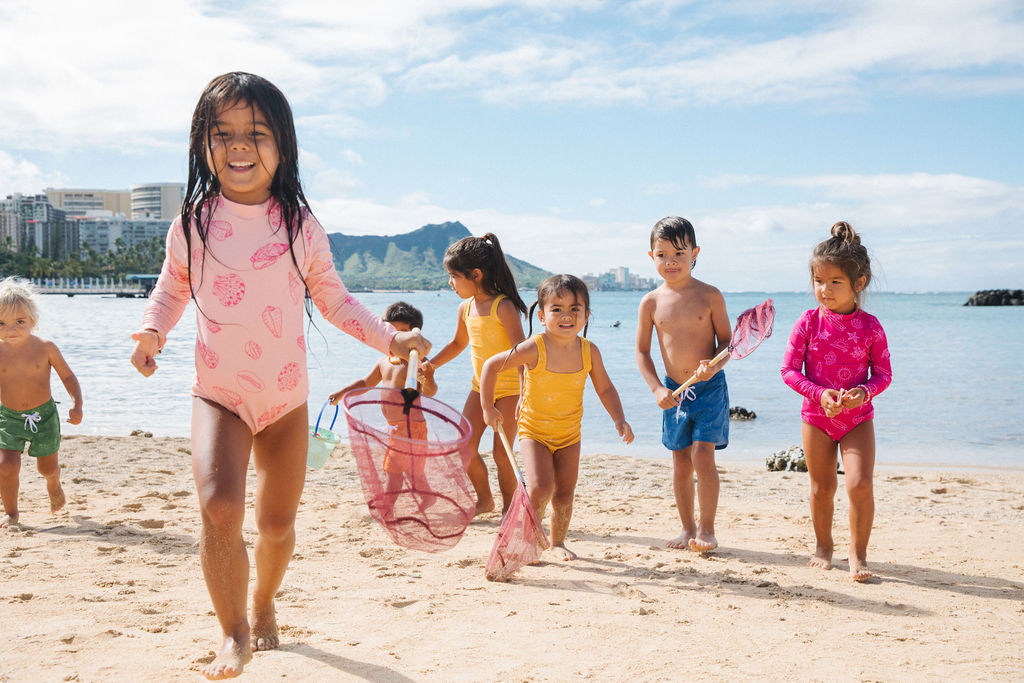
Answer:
(790, 460)
(737, 413)
(997, 297)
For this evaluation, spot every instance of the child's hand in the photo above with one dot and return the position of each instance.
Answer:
(147, 346)
(336, 396)
(492, 416)
(852, 398)
(830, 403)
(75, 416)
(703, 371)
(625, 431)
(404, 342)
(664, 398)
(425, 372)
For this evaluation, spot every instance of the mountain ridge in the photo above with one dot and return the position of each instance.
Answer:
(411, 260)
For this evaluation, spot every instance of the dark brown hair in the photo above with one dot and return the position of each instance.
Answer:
(561, 284)
(676, 230)
(401, 312)
(844, 251)
(484, 253)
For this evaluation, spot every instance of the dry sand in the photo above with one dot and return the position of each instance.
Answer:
(113, 591)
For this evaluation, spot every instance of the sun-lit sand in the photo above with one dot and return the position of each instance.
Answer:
(110, 589)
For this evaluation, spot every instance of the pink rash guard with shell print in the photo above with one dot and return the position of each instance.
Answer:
(250, 343)
(834, 351)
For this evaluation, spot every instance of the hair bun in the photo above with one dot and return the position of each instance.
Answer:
(845, 232)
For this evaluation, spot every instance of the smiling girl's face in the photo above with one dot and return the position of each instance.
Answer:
(242, 153)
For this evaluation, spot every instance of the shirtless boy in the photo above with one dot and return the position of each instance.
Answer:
(27, 410)
(693, 327)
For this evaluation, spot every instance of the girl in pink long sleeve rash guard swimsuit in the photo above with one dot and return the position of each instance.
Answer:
(250, 343)
(834, 351)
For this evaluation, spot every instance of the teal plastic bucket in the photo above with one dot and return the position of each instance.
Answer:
(321, 440)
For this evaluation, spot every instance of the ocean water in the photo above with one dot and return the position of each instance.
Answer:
(954, 399)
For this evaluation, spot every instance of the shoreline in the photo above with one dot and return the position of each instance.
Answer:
(119, 572)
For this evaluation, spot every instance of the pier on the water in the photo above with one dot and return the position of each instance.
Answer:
(130, 286)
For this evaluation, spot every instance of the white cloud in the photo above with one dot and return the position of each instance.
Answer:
(19, 175)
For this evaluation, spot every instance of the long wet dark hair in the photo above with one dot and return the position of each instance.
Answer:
(485, 254)
(561, 284)
(203, 186)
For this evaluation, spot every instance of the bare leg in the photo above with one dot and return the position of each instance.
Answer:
(477, 469)
(220, 456)
(858, 449)
(682, 486)
(820, 452)
(279, 455)
(702, 453)
(566, 470)
(506, 477)
(539, 464)
(50, 469)
(10, 471)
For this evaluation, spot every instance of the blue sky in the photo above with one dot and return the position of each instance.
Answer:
(569, 127)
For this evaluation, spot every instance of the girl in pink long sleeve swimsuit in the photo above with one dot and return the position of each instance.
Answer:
(248, 251)
(838, 360)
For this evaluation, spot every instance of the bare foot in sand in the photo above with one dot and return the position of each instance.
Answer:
(822, 558)
(682, 541)
(10, 519)
(703, 542)
(859, 571)
(57, 498)
(484, 506)
(563, 553)
(264, 629)
(234, 654)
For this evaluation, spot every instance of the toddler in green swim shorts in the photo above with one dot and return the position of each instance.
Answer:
(27, 411)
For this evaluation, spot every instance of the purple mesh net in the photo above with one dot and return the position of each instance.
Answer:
(520, 539)
(752, 327)
(412, 465)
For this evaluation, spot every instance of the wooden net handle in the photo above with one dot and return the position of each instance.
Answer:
(693, 378)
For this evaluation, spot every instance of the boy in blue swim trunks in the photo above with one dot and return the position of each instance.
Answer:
(693, 327)
(27, 411)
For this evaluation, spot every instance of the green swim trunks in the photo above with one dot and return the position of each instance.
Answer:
(39, 426)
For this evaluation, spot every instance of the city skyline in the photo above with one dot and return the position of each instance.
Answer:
(569, 127)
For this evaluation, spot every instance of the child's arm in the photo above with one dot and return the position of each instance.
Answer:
(793, 376)
(608, 395)
(425, 383)
(525, 354)
(69, 380)
(723, 335)
(644, 331)
(510, 319)
(372, 379)
(166, 304)
(456, 345)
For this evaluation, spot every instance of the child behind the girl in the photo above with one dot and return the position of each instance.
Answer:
(27, 410)
(249, 252)
(558, 362)
(838, 360)
(489, 322)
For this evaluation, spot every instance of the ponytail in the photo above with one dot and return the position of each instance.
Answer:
(484, 253)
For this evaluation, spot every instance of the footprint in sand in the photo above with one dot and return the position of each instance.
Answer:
(152, 524)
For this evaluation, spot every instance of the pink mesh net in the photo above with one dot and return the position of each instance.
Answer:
(752, 327)
(520, 539)
(412, 457)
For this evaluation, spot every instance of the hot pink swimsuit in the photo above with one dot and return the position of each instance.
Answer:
(250, 343)
(832, 351)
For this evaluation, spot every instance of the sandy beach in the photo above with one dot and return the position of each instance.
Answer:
(112, 589)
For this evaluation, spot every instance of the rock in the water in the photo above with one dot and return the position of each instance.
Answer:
(737, 413)
(997, 297)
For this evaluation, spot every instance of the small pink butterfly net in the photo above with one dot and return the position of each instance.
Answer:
(521, 539)
(412, 453)
(752, 327)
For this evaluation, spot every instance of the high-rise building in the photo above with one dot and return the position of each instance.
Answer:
(102, 233)
(76, 202)
(38, 226)
(157, 200)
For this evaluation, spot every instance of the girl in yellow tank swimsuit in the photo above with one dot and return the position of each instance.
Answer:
(489, 322)
(557, 364)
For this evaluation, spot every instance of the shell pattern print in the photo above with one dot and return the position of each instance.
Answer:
(250, 341)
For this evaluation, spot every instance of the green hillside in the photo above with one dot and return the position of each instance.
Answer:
(409, 261)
